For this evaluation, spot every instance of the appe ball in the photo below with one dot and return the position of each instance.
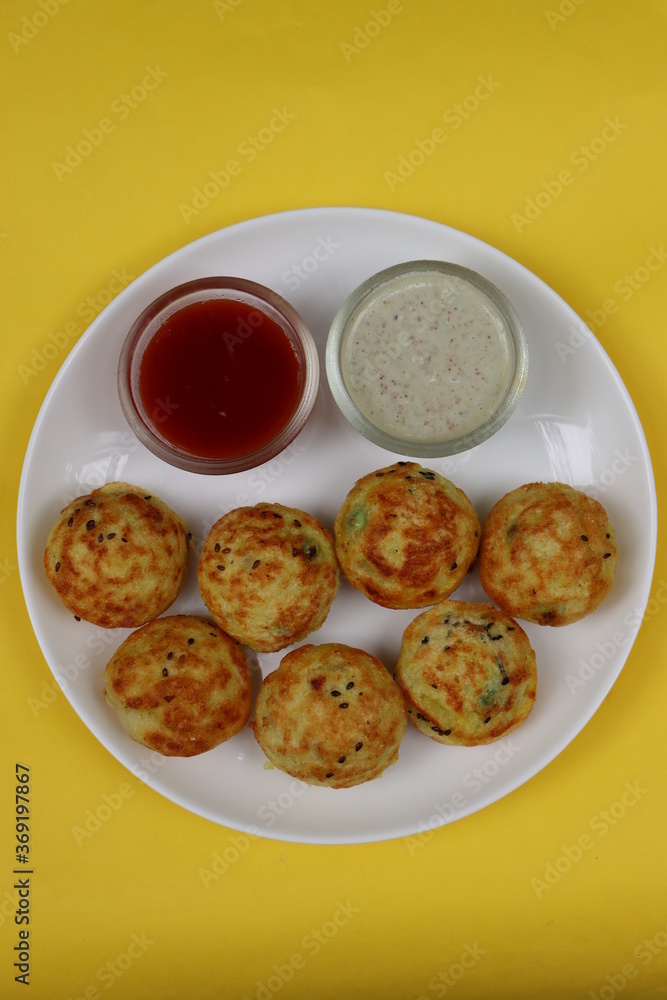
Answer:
(117, 557)
(548, 554)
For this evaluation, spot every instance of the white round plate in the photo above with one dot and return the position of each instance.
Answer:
(575, 423)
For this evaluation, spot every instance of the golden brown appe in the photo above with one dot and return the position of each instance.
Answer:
(330, 715)
(118, 556)
(180, 686)
(406, 536)
(548, 554)
(268, 575)
(468, 673)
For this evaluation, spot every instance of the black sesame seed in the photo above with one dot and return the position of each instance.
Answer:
(165, 672)
(343, 704)
(420, 716)
(89, 525)
(226, 550)
(213, 634)
(487, 719)
(335, 694)
(220, 566)
(447, 648)
(606, 555)
(329, 774)
(446, 732)
(358, 747)
(181, 657)
(493, 638)
(100, 537)
(310, 552)
(341, 760)
(77, 618)
(255, 564)
(297, 524)
(278, 516)
(437, 730)
(69, 523)
(427, 475)
(112, 534)
(453, 566)
(89, 503)
(401, 463)
(169, 654)
(190, 641)
(57, 566)
(348, 687)
(149, 496)
(379, 474)
(434, 686)
(505, 680)
(584, 538)
(124, 540)
(424, 640)
(216, 547)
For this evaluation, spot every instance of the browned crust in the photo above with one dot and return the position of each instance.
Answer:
(268, 575)
(117, 557)
(468, 673)
(419, 537)
(180, 685)
(548, 554)
(330, 715)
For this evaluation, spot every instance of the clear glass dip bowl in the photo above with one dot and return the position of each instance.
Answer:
(427, 358)
(258, 303)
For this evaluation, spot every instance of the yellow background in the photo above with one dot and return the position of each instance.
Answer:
(361, 99)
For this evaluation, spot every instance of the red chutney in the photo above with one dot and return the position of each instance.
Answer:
(219, 379)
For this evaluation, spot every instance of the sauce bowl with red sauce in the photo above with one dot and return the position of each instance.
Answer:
(218, 375)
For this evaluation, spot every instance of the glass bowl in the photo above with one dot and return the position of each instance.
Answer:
(427, 358)
(194, 395)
